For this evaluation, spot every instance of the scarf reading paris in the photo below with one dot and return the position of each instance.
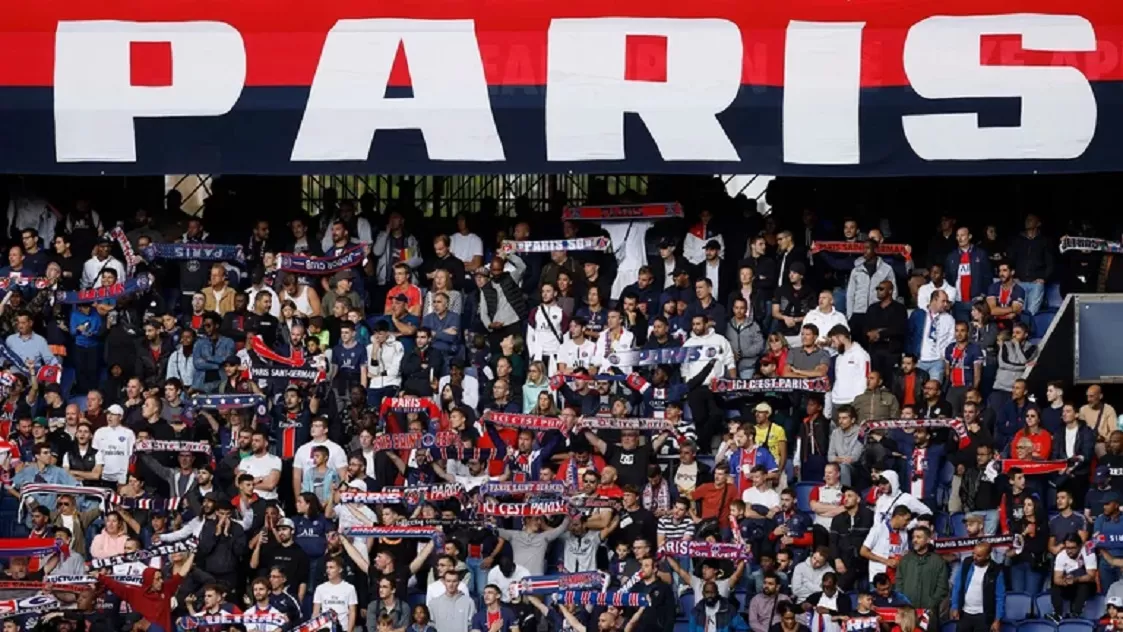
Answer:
(771, 385)
(714, 550)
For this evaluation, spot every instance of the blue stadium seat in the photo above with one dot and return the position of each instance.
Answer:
(1076, 625)
(948, 627)
(686, 603)
(958, 525)
(942, 523)
(803, 495)
(1053, 298)
(1037, 625)
(1042, 605)
(1019, 606)
(1007, 626)
(682, 626)
(415, 599)
(947, 472)
(1041, 321)
(79, 401)
(1094, 608)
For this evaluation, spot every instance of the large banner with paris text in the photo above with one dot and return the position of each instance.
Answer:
(800, 87)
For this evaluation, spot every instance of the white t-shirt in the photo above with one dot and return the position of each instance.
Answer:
(1084, 564)
(337, 598)
(114, 449)
(766, 498)
(495, 576)
(973, 596)
(259, 467)
(924, 294)
(884, 542)
(464, 247)
(337, 458)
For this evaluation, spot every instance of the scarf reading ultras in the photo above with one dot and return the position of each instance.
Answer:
(143, 555)
(956, 425)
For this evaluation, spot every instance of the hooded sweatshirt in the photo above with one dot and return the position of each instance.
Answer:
(153, 606)
(895, 498)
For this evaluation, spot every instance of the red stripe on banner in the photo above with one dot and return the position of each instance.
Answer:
(284, 39)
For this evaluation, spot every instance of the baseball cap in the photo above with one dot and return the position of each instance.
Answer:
(713, 244)
(285, 523)
(1111, 497)
(40, 421)
(401, 297)
(666, 242)
(1101, 475)
(797, 267)
(763, 407)
(232, 360)
(115, 409)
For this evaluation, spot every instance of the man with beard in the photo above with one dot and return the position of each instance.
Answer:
(292, 428)
(81, 459)
(276, 548)
(848, 531)
(226, 473)
(659, 614)
(264, 467)
(922, 575)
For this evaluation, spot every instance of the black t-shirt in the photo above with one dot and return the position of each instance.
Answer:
(631, 465)
(660, 615)
(795, 303)
(1114, 463)
(640, 523)
(292, 559)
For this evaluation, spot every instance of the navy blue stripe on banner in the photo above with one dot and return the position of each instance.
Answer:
(257, 137)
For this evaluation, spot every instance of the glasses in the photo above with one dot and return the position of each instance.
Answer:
(63, 504)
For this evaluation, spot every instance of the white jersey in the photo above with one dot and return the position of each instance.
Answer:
(574, 355)
(606, 347)
(630, 249)
(337, 458)
(114, 450)
(545, 331)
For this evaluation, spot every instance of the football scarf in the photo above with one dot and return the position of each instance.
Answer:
(1090, 244)
(180, 251)
(36, 604)
(413, 441)
(963, 545)
(308, 265)
(29, 547)
(228, 619)
(956, 425)
(771, 385)
(533, 508)
(29, 490)
(524, 421)
(1031, 468)
(715, 550)
(8, 282)
(462, 454)
(417, 494)
(370, 498)
(889, 615)
(265, 364)
(229, 401)
(143, 555)
(619, 599)
(410, 405)
(863, 624)
(653, 357)
(550, 245)
(109, 292)
(325, 620)
(625, 423)
(392, 531)
(623, 212)
(859, 247)
(46, 374)
(449, 525)
(533, 488)
(167, 504)
(550, 584)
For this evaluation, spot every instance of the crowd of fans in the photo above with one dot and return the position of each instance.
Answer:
(838, 516)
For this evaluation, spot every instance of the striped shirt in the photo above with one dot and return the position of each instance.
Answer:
(671, 531)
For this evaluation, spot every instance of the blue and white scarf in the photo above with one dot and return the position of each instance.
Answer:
(105, 293)
(200, 251)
